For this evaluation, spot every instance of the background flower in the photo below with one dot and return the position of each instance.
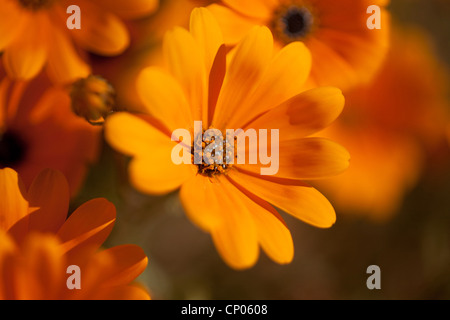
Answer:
(37, 244)
(145, 48)
(34, 34)
(392, 127)
(38, 130)
(344, 51)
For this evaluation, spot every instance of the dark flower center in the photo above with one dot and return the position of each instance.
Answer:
(35, 5)
(12, 149)
(292, 23)
(297, 22)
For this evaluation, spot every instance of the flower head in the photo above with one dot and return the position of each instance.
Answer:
(38, 130)
(34, 34)
(201, 94)
(38, 243)
(391, 126)
(345, 52)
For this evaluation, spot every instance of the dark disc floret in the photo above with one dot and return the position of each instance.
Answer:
(12, 149)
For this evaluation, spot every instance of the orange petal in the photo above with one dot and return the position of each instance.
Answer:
(13, 21)
(64, 65)
(304, 114)
(88, 227)
(274, 237)
(207, 33)
(50, 193)
(41, 273)
(273, 234)
(301, 201)
(186, 63)
(283, 79)
(7, 266)
(27, 53)
(130, 292)
(102, 32)
(132, 135)
(247, 66)
(236, 238)
(129, 9)
(219, 208)
(108, 273)
(125, 264)
(254, 8)
(13, 206)
(158, 174)
(164, 98)
(306, 159)
(152, 169)
(344, 74)
(216, 77)
(202, 190)
(234, 26)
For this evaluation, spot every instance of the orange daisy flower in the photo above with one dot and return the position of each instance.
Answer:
(385, 166)
(344, 50)
(256, 90)
(38, 130)
(391, 126)
(34, 34)
(38, 244)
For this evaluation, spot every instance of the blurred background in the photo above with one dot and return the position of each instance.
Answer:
(409, 239)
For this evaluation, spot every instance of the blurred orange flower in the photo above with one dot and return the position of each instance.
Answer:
(383, 168)
(345, 52)
(38, 130)
(145, 49)
(254, 91)
(37, 244)
(171, 13)
(34, 34)
(391, 126)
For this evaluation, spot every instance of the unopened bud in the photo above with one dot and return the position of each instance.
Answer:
(93, 98)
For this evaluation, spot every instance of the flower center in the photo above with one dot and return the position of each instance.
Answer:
(12, 149)
(212, 153)
(35, 5)
(292, 22)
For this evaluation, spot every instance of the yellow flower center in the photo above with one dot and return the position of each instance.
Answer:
(293, 21)
(93, 98)
(12, 149)
(35, 5)
(213, 156)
